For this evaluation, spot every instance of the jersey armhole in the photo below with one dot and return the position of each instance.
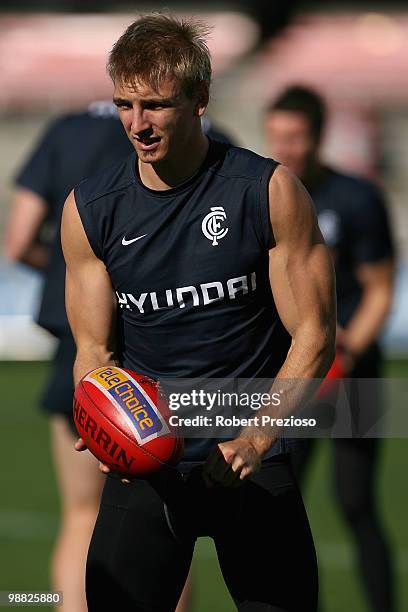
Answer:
(265, 227)
(87, 223)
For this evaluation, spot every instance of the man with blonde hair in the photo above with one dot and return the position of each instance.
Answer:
(250, 296)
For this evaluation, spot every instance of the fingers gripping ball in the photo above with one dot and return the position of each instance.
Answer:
(123, 419)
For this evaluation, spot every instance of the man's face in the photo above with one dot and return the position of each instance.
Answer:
(290, 140)
(159, 123)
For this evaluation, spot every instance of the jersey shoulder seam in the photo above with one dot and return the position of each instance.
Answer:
(106, 193)
(235, 176)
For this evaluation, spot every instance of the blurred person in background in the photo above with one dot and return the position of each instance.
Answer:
(71, 148)
(353, 219)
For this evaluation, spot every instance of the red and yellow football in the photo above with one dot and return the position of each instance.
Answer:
(123, 419)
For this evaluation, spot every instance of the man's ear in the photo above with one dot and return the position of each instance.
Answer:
(202, 98)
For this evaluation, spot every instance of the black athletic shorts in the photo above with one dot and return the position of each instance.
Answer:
(58, 393)
(143, 541)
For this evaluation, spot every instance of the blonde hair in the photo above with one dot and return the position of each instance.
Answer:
(157, 47)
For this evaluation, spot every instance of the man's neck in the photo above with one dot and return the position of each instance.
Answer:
(170, 173)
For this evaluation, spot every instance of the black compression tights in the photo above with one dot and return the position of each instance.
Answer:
(144, 537)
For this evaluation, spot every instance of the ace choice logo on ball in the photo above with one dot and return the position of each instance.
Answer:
(132, 400)
(212, 224)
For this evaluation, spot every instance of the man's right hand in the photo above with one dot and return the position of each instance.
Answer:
(81, 446)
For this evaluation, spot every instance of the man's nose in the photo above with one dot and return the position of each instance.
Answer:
(140, 126)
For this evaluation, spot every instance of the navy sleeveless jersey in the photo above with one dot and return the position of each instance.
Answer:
(189, 267)
(353, 218)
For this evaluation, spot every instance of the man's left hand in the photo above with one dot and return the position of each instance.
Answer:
(229, 463)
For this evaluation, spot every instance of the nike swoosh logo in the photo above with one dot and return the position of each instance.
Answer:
(126, 242)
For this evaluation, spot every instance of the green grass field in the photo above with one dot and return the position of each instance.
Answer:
(29, 507)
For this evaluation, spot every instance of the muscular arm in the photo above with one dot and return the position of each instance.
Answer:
(28, 211)
(89, 296)
(302, 279)
(303, 286)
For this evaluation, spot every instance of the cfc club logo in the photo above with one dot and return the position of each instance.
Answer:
(212, 225)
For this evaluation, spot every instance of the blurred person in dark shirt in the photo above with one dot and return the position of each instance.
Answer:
(353, 219)
(72, 147)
